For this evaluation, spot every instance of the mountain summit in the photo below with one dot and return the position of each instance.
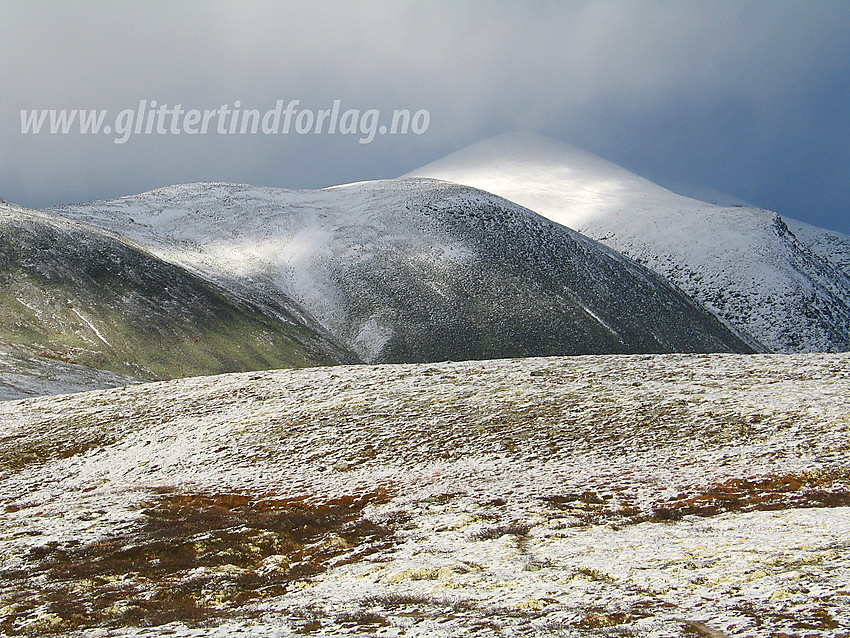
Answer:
(790, 293)
(413, 270)
(568, 185)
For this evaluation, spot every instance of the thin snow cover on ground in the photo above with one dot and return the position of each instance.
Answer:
(790, 292)
(668, 495)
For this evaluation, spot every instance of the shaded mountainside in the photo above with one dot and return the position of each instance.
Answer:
(791, 293)
(25, 374)
(80, 295)
(416, 270)
(658, 496)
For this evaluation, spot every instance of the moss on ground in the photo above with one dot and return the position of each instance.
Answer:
(189, 557)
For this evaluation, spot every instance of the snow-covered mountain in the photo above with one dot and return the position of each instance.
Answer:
(415, 269)
(790, 291)
(74, 294)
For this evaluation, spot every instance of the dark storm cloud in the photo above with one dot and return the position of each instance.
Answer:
(748, 98)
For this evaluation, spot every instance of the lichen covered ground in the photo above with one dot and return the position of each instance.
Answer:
(674, 495)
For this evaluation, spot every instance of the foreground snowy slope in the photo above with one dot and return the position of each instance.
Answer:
(791, 293)
(415, 270)
(72, 293)
(654, 496)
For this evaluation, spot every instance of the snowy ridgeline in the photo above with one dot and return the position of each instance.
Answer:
(414, 270)
(672, 495)
(213, 277)
(789, 290)
(355, 257)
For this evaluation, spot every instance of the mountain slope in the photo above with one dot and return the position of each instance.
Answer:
(24, 375)
(829, 244)
(416, 270)
(742, 263)
(74, 293)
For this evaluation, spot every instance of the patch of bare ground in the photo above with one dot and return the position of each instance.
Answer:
(819, 488)
(191, 557)
(772, 492)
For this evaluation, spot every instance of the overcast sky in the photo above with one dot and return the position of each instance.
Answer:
(748, 98)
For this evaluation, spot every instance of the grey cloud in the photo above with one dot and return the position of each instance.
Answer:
(741, 97)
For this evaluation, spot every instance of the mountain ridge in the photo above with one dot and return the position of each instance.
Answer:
(742, 263)
(74, 293)
(411, 270)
